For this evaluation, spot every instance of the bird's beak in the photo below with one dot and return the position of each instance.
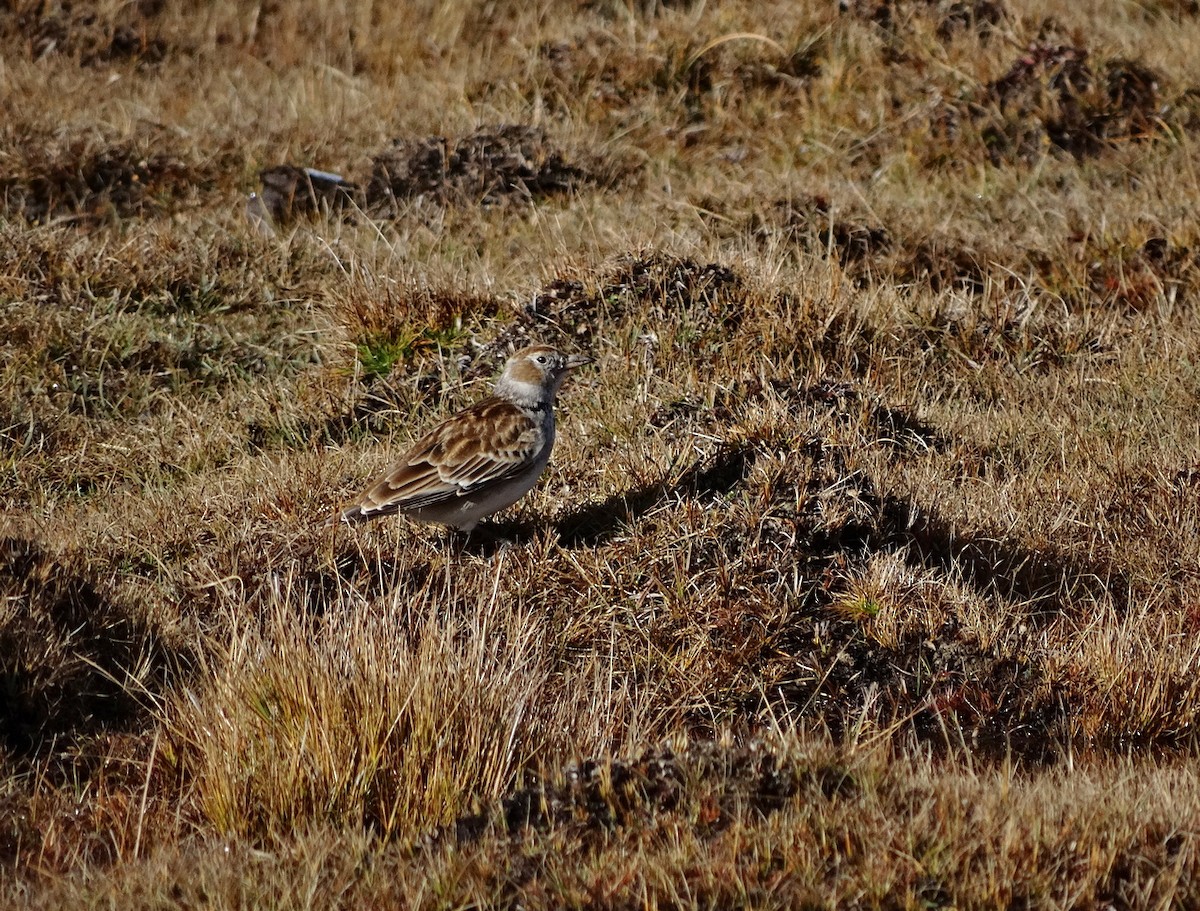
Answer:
(577, 360)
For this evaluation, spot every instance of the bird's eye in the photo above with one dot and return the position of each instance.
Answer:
(541, 359)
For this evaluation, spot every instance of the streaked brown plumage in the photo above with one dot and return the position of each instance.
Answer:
(483, 458)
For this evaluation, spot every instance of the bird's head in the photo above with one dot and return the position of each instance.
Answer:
(535, 373)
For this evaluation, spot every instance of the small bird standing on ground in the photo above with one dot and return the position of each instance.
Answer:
(482, 459)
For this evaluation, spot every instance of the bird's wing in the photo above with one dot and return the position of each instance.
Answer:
(485, 444)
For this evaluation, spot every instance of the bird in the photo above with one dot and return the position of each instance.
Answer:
(481, 459)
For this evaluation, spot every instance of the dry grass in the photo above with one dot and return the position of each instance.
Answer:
(866, 571)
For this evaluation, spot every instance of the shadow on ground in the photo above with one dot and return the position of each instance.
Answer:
(720, 473)
(73, 662)
(945, 688)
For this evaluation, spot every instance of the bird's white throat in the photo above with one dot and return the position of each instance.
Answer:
(519, 392)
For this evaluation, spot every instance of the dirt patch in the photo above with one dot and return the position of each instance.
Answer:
(1053, 95)
(129, 33)
(979, 17)
(96, 182)
(951, 18)
(702, 301)
(509, 164)
(494, 165)
(714, 784)
(704, 296)
(705, 789)
(673, 287)
(945, 690)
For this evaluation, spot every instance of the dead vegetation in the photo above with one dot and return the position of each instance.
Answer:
(91, 34)
(508, 163)
(865, 571)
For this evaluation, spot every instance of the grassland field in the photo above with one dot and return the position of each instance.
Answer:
(866, 572)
